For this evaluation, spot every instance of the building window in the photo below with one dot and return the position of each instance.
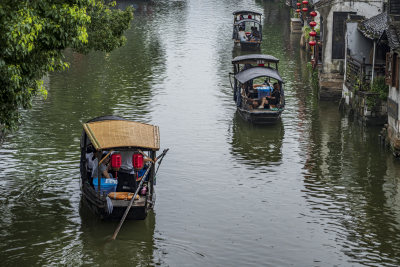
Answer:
(338, 34)
(394, 7)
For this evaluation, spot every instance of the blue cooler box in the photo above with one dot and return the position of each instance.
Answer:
(264, 91)
(107, 185)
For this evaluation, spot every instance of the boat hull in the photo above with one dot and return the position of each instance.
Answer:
(98, 205)
(260, 116)
(250, 45)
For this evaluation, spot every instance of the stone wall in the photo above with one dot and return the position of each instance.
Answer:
(367, 107)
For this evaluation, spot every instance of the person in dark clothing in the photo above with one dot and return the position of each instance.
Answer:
(275, 95)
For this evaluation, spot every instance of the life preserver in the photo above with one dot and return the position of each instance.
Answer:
(122, 195)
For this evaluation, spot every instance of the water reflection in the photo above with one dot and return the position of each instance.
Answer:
(349, 190)
(257, 145)
(316, 185)
(134, 244)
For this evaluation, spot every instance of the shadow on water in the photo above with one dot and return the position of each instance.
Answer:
(134, 244)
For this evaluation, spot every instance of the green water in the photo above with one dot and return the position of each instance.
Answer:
(316, 189)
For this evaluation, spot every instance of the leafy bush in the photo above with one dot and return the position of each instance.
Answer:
(34, 34)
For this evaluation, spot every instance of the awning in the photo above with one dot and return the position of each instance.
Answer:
(109, 134)
(239, 22)
(246, 12)
(256, 72)
(254, 57)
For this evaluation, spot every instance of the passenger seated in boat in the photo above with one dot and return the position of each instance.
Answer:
(126, 177)
(275, 98)
(255, 34)
(258, 103)
(104, 167)
(90, 158)
(242, 35)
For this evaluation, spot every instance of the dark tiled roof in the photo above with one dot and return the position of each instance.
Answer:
(374, 27)
(322, 3)
(393, 34)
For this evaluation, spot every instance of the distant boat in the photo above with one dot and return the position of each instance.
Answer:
(255, 77)
(247, 29)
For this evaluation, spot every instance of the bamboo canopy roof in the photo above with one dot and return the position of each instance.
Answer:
(109, 134)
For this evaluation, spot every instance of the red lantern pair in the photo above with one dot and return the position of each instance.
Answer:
(116, 161)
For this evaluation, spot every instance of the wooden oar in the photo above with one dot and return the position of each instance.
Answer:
(130, 205)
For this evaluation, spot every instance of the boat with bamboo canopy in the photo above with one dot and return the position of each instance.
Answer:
(118, 160)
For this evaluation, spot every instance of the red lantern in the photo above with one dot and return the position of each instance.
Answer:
(137, 161)
(313, 14)
(312, 43)
(313, 33)
(116, 161)
(298, 4)
(313, 24)
(305, 9)
(305, 2)
(298, 10)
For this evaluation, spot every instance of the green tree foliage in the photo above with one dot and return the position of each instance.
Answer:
(33, 35)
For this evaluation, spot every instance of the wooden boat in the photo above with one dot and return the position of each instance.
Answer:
(113, 136)
(252, 75)
(245, 20)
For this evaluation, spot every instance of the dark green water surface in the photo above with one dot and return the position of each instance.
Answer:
(316, 189)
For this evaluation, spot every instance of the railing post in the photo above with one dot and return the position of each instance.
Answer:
(362, 73)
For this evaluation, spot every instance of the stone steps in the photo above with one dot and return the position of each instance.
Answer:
(330, 86)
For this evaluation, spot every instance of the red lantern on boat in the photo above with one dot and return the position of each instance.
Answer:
(305, 2)
(313, 33)
(116, 161)
(312, 43)
(313, 14)
(304, 9)
(137, 161)
(313, 24)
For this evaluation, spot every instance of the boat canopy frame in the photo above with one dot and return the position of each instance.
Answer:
(239, 12)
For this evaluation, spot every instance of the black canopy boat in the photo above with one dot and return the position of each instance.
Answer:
(247, 29)
(109, 138)
(255, 77)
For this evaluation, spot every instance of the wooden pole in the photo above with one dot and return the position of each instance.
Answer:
(130, 204)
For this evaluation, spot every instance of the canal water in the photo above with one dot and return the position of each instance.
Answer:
(316, 189)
